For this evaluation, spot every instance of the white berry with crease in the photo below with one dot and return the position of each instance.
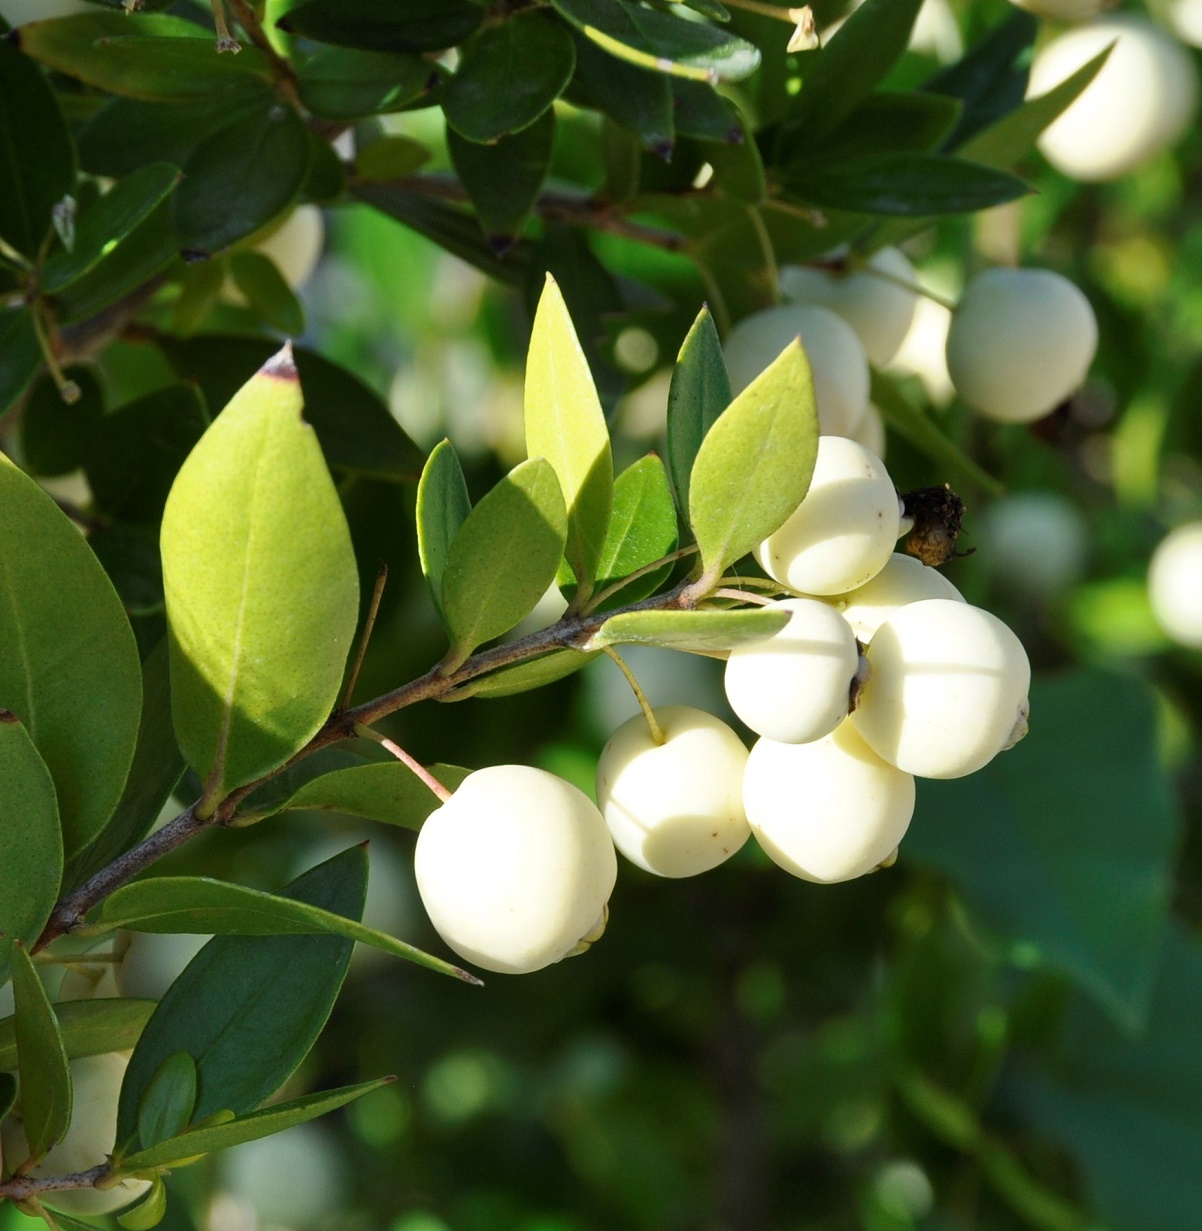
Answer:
(844, 531)
(836, 357)
(515, 869)
(1020, 342)
(827, 811)
(946, 691)
(903, 580)
(794, 686)
(676, 808)
(1175, 584)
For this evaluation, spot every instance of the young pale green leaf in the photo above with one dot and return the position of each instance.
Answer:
(166, 1107)
(87, 1028)
(505, 555)
(261, 586)
(68, 660)
(37, 158)
(41, 1058)
(755, 463)
(274, 1119)
(565, 424)
(248, 1009)
(31, 844)
(149, 1212)
(102, 227)
(698, 394)
(388, 792)
(510, 72)
(401, 25)
(56, 435)
(699, 632)
(524, 677)
(636, 98)
(339, 83)
(20, 356)
(443, 505)
(266, 291)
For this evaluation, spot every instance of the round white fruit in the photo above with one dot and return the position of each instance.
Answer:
(844, 531)
(676, 808)
(793, 687)
(827, 811)
(922, 353)
(1175, 584)
(903, 580)
(1036, 542)
(1020, 342)
(946, 691)
(1141, 101)
(873, 300)
(515, 869)
(88, 1141)
(871, 432)
(836, 359)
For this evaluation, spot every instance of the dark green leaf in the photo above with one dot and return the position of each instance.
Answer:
(56, 435)
(700, 632)
(166, 1106)
(8, 1093)
(698, 394)
(247, 1009)
(325, 181)
(390, 158)
(509, 74)
(129, 555)
(266, 291)
(37, 159)
(42, 1059)
(385, 25)
(524, 677)
(636, 98)
(87, 1027)
(703, 113)
(275, 793)
(20, 356)
(343, 84)
(442, 507)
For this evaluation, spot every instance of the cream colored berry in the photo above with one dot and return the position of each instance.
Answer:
(1020, 342)
(827, 811)
(871, 432)
(676, 808)
(515, 869)
(1175, 584)
(844, 531)
(794, 686)
(903, 580)
(946, 690)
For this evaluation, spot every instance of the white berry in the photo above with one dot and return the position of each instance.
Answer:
(676, 808)
(515, 869)
(1175, 584)
(1020, 342)
(871, 432)
(793, 686)
(845, 529)
(946, 691)
(903, 580)
(827, 811)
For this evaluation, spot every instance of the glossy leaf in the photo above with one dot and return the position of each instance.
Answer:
(20, 357)
(37, 158)
(701, 112)
(166, 1107)
(394, 25)
(261, 282)
(340, 83)
(524, 677)
(509, 73)
(636, 98)
(42, 1059)
(68, 661)
(87, 1028)
(565, 425)
(698, 394)
(889, 121)
(247, 1009)
(754, 466)
(56, 435)
(261, 586)
(1075, 818)
(504, 556)
(443, 505)
(31, 845)
(700, 632)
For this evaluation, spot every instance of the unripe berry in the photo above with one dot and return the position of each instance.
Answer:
(903, 580)
(844, 531)
(827, 811)
(1175, 584)
(946, 690)
(676, 808)
(793, 686)
(515, 869)
(1020, 342)
(835, 354)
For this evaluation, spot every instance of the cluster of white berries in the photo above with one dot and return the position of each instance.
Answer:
(516, 868)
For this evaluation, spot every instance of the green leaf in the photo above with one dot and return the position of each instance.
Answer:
(637, 98)
(509, 74)
(698, 394)
(339, 83)
(1074, 819)
(661, 41)
(87, 1028)
(149, 1212)
(394, 25)
(699, 632)
(505, 555)
(443, 505)
(754, 466)
(37, 158)
(261, 586)
(56, 435)
(701, 112)
(274, 1119)
(103, 226)
(248, 1009)
(266, 291)
(503, 180)
(31, 845)
(166, 1106)
(565, 425)
(8, 1094)
(390, 158)
(524, 677)
(69, 664)
(41, 1057)
(20, 356)
(137, 450)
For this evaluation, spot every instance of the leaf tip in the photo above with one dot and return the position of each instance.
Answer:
(7, 716)
(281, 366)
(501, 244)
